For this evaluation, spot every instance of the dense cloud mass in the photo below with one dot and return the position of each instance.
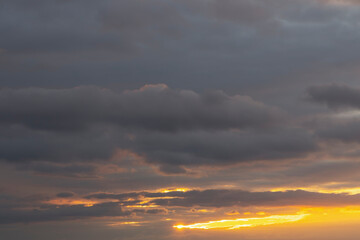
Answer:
(224, 148)
(122, 118)
(344, 132)
(154, 107)
(205, 198)
(344, 126)
(172, 128)
(62, 213)
(335, 96)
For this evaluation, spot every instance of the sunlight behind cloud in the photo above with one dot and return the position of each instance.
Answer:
(244, 222)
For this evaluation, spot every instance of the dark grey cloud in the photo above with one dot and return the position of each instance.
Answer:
(36, 209)
(90, 123)
(230, 198)
(223, 148)
(121, 196)
(335, 95)
(345, 132)
(58, 213)
(121, 26)
(157, 211)
(169, 150)
(182, 43)
(54, 147)
(252, 49)
(154, 107)
(223, 198)
(67, 170)
(143, 21)
(321, 172)
(54, 27)
(342, 126)
(65, 194)
(9, 201)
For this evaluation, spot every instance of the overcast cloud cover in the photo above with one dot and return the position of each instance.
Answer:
(247, 104)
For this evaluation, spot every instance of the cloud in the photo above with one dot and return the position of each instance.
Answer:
(343, 125)
(33, 209)
(341, 2)
(68, 170)
(345, 132)
(209, 198)
(229, 198)
(335, 95)
(48, 146)
(143, 21)
(61, 213)
(238, 11)
(154, 107)
(124, 26)
(167, 127)
(61, 137)
(188, 44)
(65, 195)
(223, 148)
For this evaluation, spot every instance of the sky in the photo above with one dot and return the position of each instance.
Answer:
(179, 119)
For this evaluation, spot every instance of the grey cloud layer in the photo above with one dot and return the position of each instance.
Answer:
(224, 148)
(170, 128)
(214, 198)
(229, 198)
(58, 213)
(335, 95)
(245, 43)
(60, 136)
(152, 107)
(52, 147)
(344, 126)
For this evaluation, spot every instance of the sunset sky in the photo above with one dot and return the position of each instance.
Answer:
(179, 119)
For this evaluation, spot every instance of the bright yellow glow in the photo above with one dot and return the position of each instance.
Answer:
(146, 203)
(244, 222)
(143, 206)
(124, 223)
(175, 190)
(86, 203)
(233, 213)
(332, 214)
(204, 211)
(201, 210)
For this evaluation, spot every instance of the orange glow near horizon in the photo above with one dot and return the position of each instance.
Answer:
(244, 222)
(175, 190)
(350, 191)
(116, 224)
(86, 203)
(305, 216)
